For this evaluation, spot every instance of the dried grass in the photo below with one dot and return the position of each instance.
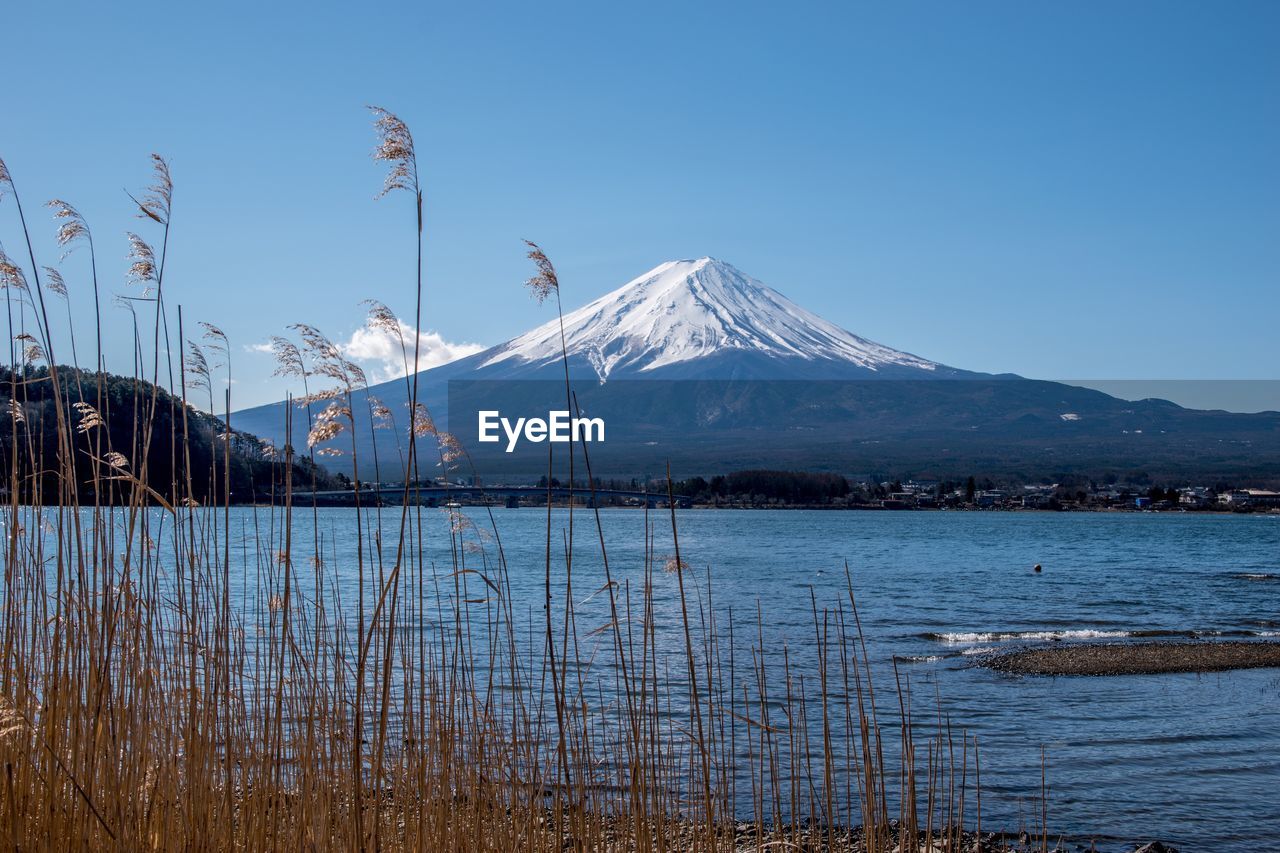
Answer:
(149, 701)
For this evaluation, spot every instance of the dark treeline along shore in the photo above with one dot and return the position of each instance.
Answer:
(378, 702)
(777, 489)
(113, 415)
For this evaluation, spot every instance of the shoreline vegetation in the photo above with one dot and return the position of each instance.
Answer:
(777, 489)
(475, 497)
(533, 498)
(247, 470)
(352, 696)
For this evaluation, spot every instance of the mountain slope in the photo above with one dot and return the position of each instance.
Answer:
(701, 318)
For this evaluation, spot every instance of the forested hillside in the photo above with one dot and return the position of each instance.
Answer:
(115, 427)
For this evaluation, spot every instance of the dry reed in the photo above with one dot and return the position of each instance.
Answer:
(153, 698)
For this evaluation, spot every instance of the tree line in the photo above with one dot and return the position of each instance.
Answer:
(190, 453)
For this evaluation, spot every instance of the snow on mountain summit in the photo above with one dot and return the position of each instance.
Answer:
(681, 311)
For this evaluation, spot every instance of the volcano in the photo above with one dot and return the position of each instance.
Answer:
(699, 319)
(701, 365)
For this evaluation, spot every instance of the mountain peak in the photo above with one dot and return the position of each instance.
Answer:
(684, 311)
(673, 273)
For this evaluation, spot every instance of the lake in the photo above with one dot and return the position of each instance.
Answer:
(1190, 759)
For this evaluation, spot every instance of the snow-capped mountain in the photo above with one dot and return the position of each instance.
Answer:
(706, 321)
(697, 319)
(701, 318)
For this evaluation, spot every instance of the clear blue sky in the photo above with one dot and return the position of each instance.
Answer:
(1053, 189)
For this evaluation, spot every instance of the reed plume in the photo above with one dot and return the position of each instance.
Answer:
(395, 147)
(11, 275)
(72, 228)
(545, 282)
(157, 200)
(73, 231)
(142, 261)
(55, 282)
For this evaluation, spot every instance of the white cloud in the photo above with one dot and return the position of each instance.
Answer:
(258, 348)
(379, 349)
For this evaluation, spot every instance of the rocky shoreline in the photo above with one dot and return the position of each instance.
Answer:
(750, 837)
(1136, 658)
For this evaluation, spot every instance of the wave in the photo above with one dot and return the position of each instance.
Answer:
(920, 658)
(967, 637)
(1256, 576)
(974, 637)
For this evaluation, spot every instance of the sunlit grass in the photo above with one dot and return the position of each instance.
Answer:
(150, 700)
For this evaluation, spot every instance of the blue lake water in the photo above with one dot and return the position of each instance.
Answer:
(1190, 759)
(1186, 758)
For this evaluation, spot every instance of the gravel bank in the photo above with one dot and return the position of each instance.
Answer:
(1137, 658)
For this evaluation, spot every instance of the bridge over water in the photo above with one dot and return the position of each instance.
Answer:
(463, 494)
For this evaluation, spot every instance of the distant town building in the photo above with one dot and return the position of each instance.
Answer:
(1196, 497)
(1250, 498)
